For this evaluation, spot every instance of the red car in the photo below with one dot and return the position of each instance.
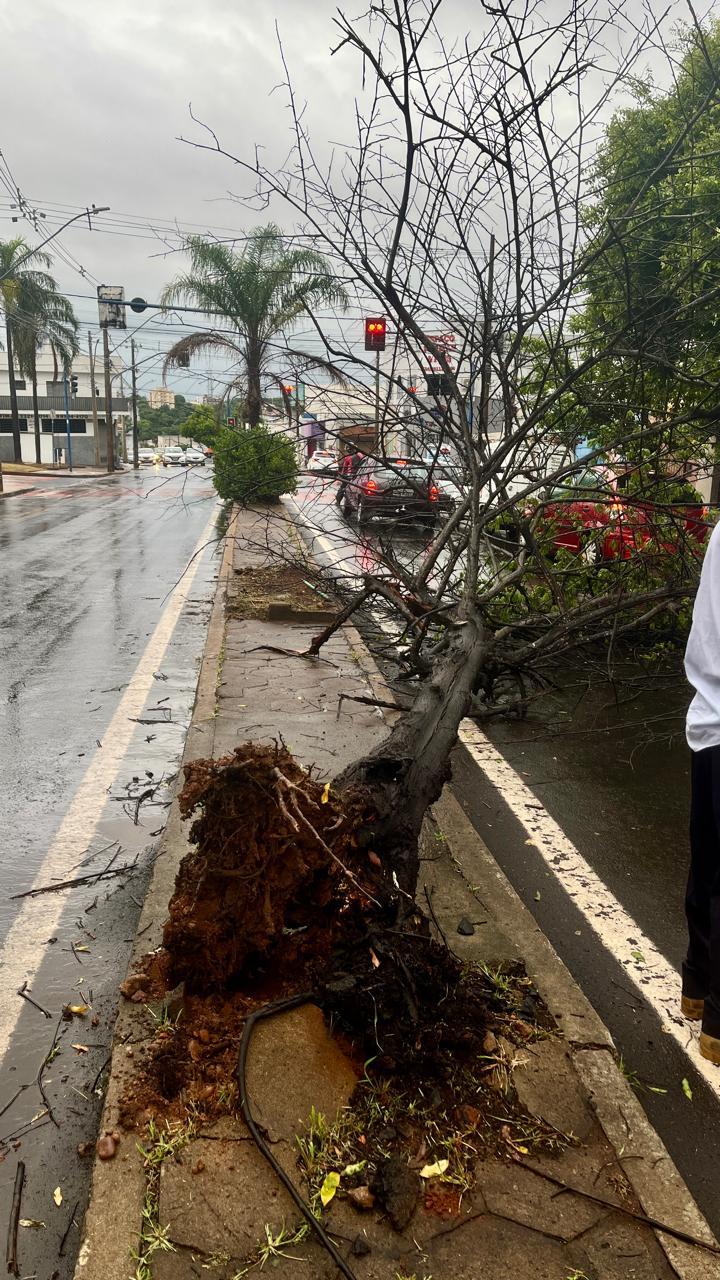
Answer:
(591, 518)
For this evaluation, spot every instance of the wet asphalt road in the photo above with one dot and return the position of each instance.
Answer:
(88, 571)
(615, 777)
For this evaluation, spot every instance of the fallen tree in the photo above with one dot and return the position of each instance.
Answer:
(461, 210)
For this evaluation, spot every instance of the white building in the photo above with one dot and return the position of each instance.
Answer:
(86, 450)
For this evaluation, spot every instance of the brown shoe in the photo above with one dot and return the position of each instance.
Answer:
(692, 1009)
(710, 1048)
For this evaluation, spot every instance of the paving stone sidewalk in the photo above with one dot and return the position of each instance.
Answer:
(219, 1200)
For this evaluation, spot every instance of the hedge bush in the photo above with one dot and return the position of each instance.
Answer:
(254, 465)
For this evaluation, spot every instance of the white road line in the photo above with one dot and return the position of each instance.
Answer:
(24, 947)
(654, 978)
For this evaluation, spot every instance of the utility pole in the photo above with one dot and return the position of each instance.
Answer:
(68, 439)
(136, 458)
(124, 426)
(93, 395)
(108, 406)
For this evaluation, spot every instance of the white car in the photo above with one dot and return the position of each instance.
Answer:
(195, 457)
(174, 457)
(147, 457)
(323, 461)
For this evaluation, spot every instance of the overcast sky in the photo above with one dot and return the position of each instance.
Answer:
(94, 95)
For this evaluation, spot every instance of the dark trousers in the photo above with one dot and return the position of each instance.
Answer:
(701, 970)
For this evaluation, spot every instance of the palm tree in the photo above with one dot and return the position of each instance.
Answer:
(51, 320)
(260, 292)
(20, 281)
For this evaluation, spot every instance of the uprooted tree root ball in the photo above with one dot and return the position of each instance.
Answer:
(286, 891)
(273, 851)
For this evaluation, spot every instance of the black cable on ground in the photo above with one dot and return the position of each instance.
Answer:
(269, 1011)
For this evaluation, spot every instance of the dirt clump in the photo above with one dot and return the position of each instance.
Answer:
(272, 844)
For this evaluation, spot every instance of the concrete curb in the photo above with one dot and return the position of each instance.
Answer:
(113, 1222)
(16, 493)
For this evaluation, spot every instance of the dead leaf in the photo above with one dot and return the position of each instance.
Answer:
(80, 1048)
(33, 1223)
(325, 793)
(79, 1010)
(374, 959)
(58, 1196)
(435, 1170)
(80, 946)
(328, 1188)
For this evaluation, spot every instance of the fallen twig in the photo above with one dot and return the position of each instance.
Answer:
(22, 991)
(12, 1236)
(643, 1218)
(91, 878)
(42, 1067)
(66, 1233)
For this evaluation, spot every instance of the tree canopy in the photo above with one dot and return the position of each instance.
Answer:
(257, 294)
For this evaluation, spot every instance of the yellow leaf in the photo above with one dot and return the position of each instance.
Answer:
(325, 793)
(435, 1170)
(57, 1196)
(80, 946)
(81, 1048)
(78, 1009)
(350, 1169)
(328, 1188)
(687, 1090)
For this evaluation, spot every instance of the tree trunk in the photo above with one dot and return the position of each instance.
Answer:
(253, 403)
(14, 420)
(407, 772)
(36, 409)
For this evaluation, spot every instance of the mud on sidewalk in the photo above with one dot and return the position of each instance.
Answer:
(533, 1159)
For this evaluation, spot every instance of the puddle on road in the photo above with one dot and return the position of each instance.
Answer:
(53, 1075)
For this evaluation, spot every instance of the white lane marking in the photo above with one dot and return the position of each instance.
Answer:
(654, 978)
(24, 946)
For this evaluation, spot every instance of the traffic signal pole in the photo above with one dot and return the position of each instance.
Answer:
(136, 456)
(68, 439)
(377, 397)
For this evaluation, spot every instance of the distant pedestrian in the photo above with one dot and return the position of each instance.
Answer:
(701, 970)
(349, 465)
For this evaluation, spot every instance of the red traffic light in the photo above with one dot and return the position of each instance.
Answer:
(375, 333)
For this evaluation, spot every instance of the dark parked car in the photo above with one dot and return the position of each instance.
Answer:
(402, 489)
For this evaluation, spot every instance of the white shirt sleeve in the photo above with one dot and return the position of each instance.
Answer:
(702, 656)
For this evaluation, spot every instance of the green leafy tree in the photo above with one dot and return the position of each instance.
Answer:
(202, 425)
(23, 282)
(657, 280)
(165, 421)
(254, 465)
(258, 294)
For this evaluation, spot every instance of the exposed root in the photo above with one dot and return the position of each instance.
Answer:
(261, 865)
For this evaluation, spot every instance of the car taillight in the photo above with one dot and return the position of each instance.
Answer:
(433, 493)
(370, 486)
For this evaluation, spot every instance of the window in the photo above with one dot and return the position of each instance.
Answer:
(78, 426)
(6, 425)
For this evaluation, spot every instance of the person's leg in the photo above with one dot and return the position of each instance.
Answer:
(711, 1012)
(704, 863)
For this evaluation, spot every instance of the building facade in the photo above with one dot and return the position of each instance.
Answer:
(161, 398)
(89, 448)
